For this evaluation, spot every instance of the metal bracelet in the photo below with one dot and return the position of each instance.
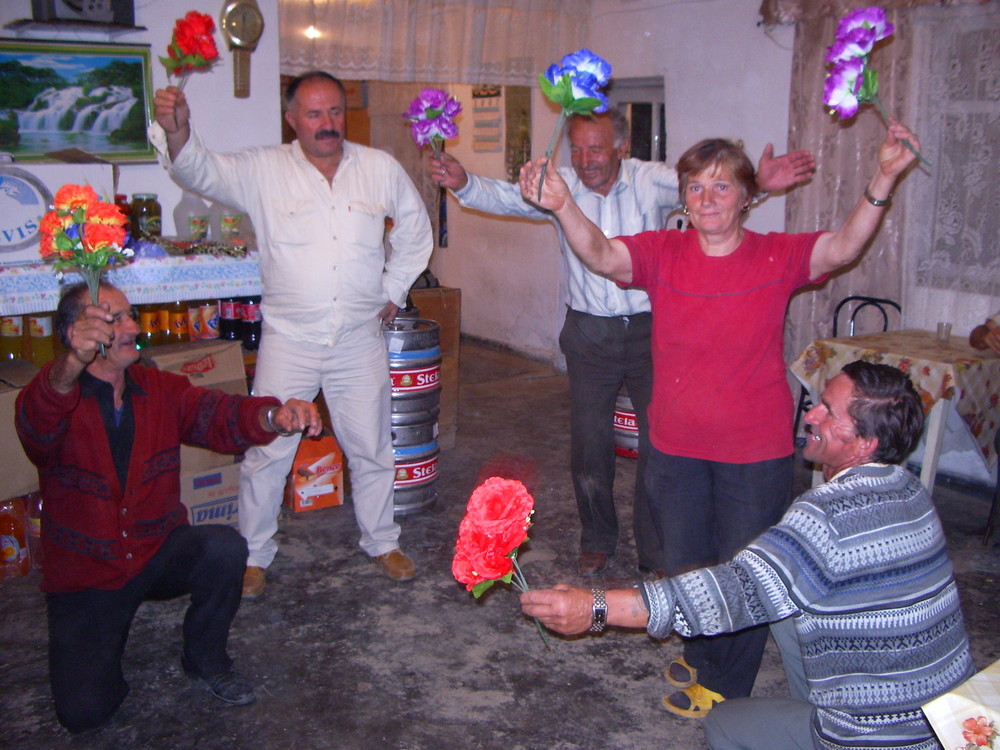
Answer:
(273, 426)
(875, 201)
(600, 616)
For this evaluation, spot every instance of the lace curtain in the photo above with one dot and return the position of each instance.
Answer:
(937, 249)
(461, 41)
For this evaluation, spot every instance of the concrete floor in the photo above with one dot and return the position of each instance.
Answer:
(344, 658)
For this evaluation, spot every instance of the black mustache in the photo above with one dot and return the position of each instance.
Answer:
(324, 134)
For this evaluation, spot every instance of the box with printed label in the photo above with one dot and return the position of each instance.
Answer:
(209, 364)
(212, 495)
(19, 476)
(317, 476)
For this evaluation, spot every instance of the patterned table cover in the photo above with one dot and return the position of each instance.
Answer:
(970, 377)
(34, 287)
(973, 707)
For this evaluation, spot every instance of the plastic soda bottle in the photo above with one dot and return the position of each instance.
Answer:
(15, 560)
(40, 333)
(33, 519)
(11, 334)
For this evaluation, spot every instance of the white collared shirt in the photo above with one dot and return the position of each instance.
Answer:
(322, 260)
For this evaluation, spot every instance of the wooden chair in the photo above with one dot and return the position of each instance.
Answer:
(849, 308)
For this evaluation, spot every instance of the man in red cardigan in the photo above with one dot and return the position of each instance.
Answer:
(105, 434)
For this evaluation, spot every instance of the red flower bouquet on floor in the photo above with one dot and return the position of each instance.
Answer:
(496, 523)
(192, 46)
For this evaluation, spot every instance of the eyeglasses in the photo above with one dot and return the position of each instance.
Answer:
(119, 316)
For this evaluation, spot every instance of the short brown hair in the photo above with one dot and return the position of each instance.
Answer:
(722, 153)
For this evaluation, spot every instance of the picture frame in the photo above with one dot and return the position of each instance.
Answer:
(75, 101)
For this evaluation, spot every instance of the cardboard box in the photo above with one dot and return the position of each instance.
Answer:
(212, 495)
(443, 305)
(19, 476)
(210, 364)
(317, 476)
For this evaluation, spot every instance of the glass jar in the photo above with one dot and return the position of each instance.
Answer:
(147, 215)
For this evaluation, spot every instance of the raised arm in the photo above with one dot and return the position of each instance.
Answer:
(836, 249)
(94, 327)
(171, 111)
(609, 258)
(448, 172)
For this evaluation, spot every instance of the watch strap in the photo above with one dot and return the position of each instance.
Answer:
(600, 616)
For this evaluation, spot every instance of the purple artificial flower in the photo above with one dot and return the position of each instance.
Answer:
(857, 42)
(843, 83)
(431, 115)
(872, 18)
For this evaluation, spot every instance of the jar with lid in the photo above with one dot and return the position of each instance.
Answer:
(146, 215)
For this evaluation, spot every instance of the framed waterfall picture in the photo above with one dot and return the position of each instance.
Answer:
(75, 101)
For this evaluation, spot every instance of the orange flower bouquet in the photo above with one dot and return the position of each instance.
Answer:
(496, 523)
(84, 233)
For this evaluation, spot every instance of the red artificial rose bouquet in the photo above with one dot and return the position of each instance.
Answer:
(192, 46)
(496, 523)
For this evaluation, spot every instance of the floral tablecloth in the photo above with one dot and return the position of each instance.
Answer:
(33, 287)
(952, 371)
(969, 716)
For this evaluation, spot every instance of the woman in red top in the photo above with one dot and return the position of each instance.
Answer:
(721, 414)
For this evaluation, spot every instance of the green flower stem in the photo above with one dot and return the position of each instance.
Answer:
(522, 584)
(93, 278)
(885, 118)
(550, 149)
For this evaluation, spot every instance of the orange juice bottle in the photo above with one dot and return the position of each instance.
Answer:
(14, 558)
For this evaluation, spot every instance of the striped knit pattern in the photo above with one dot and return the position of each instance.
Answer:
(861, 564)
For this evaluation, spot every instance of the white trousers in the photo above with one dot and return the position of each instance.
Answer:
(354, 376)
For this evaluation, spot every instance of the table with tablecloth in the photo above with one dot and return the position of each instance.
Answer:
(34, 288)
(945, 375)
(969, 715)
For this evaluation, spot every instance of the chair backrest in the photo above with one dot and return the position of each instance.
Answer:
(855, 304)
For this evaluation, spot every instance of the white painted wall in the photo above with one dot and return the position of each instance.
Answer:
(225, 122)
(723, 76)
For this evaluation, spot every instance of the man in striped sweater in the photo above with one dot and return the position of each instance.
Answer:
(855, 581)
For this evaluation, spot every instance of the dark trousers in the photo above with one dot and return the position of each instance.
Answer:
(602, 354)
(88, 629)
(705, 512)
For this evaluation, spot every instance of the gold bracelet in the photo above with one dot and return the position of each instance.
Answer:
(875, 201)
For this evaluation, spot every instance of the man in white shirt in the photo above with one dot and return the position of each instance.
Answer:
(606, 335)
(319, 206)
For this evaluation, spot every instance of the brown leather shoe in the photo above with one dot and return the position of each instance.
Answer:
(592, 563)
(397, 565)
(253, 583)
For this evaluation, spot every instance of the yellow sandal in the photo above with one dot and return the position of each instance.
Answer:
(699, 698)
(680, 674)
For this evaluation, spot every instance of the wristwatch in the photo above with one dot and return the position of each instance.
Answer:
(600, 618)
(242, 24)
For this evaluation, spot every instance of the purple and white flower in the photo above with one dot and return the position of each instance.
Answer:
(432, 115)
(843, 84)
(871, 18)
